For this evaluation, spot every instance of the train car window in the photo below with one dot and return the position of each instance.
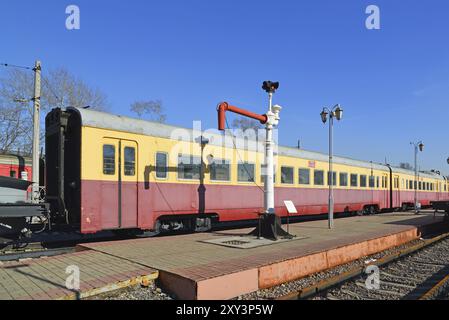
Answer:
(287, 175)
(130, 161)
(377, 182)
(318, 177)
(220, 170)
(245, 172)
(419, 185)
(343, 179)
(334, 178)
(354, 180)
(263, 173)
(372, 181)
(108, 159)
(189, 167)
(304, 176)
(161, 165)
(362, 181)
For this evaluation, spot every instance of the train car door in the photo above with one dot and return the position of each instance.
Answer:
(119, 186)
(396, 192)
(128, 184)
(436, 191)
(109, 188)
(386, 191)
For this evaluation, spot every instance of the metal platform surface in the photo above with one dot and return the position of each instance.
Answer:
(193, 269)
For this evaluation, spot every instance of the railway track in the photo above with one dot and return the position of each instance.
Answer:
(34, 253)
(419, 272)
(49, 244)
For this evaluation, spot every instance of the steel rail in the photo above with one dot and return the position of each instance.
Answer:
(15, 256)
(437, 289)
(358, 271)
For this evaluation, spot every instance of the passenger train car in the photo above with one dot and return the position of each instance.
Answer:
(15, 166)
(108, 172)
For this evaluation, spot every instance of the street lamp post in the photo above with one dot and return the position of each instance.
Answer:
(418, 146)
(336, 112)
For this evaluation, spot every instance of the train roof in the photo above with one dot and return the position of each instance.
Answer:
(14, 159)
(109, 121)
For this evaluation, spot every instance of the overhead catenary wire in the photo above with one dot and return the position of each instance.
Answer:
(50, 88)
(241, 160)
(15, 66)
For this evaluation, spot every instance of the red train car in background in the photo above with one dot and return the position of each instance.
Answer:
(16, 166)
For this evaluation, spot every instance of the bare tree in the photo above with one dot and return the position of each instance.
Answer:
(245, 123)
(64, 89)
(150, 110)
(12, 130)
(59, 89)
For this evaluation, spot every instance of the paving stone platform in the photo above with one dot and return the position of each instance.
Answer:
(192, 269)
(45, 278)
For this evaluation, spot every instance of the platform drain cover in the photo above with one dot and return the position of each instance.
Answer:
(246, 242)
(236, 242)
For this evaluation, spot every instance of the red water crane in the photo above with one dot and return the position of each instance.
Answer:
(270, 226)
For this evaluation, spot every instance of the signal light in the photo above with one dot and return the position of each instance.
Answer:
(270, 86)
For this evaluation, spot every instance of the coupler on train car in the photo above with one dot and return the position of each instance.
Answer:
(270, 227)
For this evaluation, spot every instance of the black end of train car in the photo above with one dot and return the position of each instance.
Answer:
(63, 160)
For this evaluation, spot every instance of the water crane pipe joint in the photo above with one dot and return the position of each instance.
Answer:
(224, 107)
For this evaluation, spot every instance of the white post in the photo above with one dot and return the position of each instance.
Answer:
(36, 131)
(272, 120)
(331, 175)
(416, 178)
(269, 185)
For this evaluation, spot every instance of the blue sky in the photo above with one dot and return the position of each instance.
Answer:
(393, 83)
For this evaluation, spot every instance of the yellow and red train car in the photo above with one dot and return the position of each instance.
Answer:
(108, 172)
